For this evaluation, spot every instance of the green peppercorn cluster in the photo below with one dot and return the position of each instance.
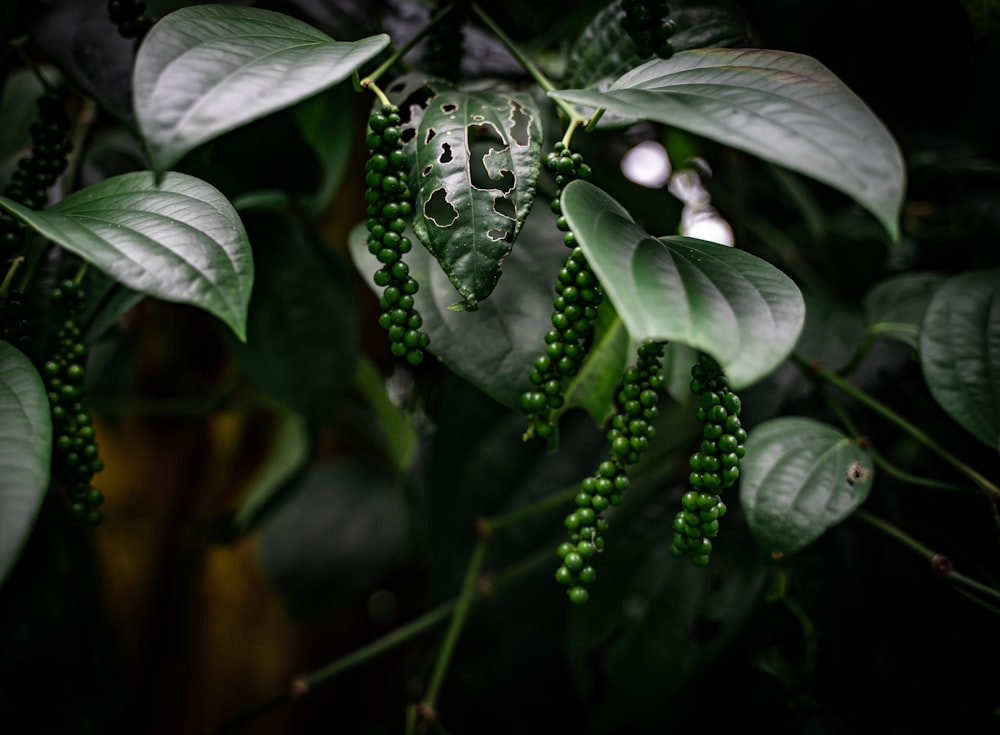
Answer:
(714, 467)
(647, 24)
(39, 170)
(389, 208)
(629, 436)
(574, 310)
(130, 17)
(75, 457)
(442, 55)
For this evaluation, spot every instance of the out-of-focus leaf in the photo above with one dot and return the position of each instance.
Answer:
(303, 339)
(494, 347)
(960, 351)
(895, 307)
(604, 50)
(335, 536)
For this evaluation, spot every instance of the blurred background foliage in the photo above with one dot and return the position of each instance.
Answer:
(262, 523)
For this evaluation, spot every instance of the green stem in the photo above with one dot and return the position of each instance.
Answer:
(886, 465)
(575, 118)
(779, 593)
(488, 526)
(927, 553)
(462, 607)
(9, 278)
(304, 685)
(871, 402)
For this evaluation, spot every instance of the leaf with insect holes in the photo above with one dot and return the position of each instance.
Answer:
(478, 160)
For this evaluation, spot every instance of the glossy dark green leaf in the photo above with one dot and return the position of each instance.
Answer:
(494, 347)
(736, 307)
(782, 107)
(605, 50)
(960, 351)
(25, 451)
(800, 477)
(303, 339)
(895, 307)
(478, 159)
(180, 240)
(207, 69)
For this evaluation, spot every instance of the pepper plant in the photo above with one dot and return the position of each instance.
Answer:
(558, 397)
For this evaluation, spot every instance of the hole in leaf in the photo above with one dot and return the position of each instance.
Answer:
(484, 132)
(486, 169)
(448, 107)
(498, 235)
(431, 132)
(505, 207)
(446, 156)
(427, 170)
(439, 210)
(520, 124)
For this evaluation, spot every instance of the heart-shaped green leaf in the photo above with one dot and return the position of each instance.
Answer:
(960, 351)
(207, 69)
(799, 478)
(25, 451)
(736, 307)
(478, 160)
(782, 107)
(180, 240)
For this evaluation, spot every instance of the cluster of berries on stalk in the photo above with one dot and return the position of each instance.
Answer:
(574, 310)
(715, 467)
(40, 168)
(390, 207)
(629, 436)
(646, 22)
(75, 456)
